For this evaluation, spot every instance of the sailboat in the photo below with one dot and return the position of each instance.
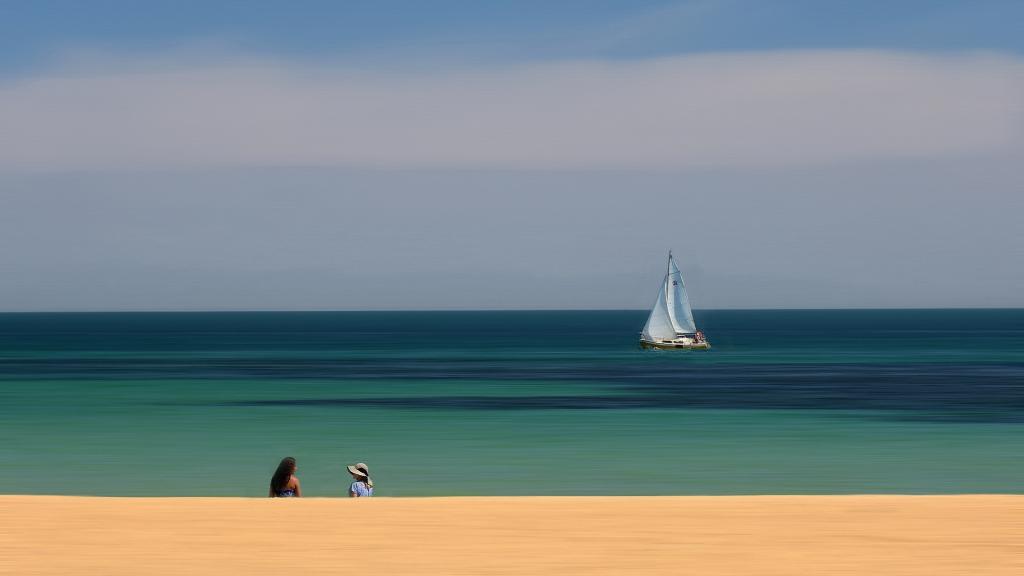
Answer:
(670, 325)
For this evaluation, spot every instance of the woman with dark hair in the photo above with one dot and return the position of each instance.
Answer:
(362, 485)
(284, 484)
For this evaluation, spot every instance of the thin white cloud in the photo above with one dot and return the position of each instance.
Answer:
(732, 110)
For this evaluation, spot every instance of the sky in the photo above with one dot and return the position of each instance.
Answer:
(510, 155)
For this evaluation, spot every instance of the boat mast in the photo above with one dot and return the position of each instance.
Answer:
(669, 294)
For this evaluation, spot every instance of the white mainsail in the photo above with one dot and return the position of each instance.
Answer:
(671, 314)
(678, 303)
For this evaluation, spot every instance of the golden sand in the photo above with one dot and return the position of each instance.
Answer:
(785, 535)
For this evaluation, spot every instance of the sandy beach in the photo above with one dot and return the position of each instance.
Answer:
(933, 535)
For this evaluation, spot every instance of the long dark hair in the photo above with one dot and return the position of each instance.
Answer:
(284, 473)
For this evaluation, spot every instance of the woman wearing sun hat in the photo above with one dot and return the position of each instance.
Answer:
(362, 485)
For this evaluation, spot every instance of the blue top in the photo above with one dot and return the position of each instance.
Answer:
(285, 493)
(360, 489)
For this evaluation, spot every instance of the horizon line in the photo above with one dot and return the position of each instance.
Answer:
(508, 310)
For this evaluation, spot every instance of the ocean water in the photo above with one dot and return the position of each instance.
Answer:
(471, 403)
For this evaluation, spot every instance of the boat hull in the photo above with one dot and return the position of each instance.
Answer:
(669, 345)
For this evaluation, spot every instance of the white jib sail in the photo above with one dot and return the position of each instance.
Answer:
(677, 302)
(659, 325)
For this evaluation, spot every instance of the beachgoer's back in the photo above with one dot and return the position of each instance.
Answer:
(285, 493)
(359, 488)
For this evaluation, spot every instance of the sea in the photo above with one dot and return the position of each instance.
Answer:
(512, 403)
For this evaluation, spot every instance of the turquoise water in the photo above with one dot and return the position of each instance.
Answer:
(907, 401)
